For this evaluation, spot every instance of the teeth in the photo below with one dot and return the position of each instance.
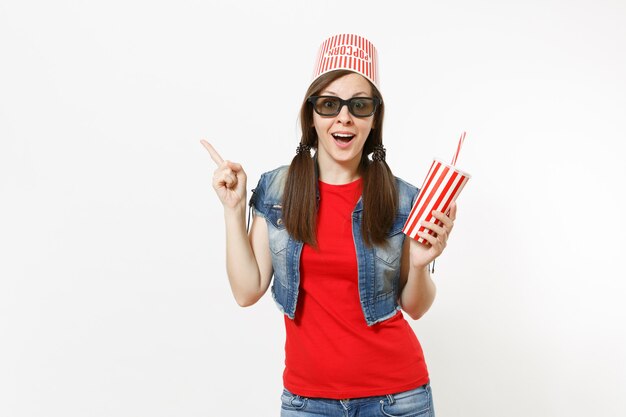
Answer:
(342, 135)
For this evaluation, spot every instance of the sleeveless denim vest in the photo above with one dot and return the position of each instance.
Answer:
(378, 266)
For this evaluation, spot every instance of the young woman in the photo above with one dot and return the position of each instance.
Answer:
(328, 229)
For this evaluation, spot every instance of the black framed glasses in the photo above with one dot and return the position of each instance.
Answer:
(331, 105)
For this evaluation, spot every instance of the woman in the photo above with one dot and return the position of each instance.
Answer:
(328, 228)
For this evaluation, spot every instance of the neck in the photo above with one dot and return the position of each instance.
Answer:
(337, 173)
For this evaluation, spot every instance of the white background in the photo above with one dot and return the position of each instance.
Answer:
(113, 294)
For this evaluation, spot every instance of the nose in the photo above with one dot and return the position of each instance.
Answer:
(344, 116)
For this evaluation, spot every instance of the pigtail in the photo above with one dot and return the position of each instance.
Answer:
(380, 197)
(300, 197)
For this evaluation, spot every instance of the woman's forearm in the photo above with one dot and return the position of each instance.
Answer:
(419, 292)
(241, 265)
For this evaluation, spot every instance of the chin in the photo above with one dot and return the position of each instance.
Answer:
(346, 158)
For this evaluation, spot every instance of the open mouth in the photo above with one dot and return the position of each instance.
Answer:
(343, 138)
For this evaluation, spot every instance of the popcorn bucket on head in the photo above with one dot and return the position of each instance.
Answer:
(443, 184)
(349, 52)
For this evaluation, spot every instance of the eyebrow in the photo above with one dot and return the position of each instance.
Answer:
(324, 92)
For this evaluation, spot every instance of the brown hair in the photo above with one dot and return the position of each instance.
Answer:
(380, 198)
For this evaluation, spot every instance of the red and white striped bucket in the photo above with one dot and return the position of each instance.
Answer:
(443, 184)
(347, 51)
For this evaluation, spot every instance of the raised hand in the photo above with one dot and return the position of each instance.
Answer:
(229, 179)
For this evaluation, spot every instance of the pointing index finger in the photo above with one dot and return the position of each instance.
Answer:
(214, 155)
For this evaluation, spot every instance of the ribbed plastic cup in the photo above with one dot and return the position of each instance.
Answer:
(443, 184)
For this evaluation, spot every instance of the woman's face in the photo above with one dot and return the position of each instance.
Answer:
(341, 138)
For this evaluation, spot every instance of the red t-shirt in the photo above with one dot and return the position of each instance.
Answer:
(331, 352)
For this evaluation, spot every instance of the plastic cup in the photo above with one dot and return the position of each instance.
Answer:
(442, 186)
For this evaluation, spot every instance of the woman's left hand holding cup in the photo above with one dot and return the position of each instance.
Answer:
(424, 253)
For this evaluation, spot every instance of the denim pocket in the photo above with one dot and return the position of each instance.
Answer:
(292, 402)
(278, 235)
(413, 403)
(275, 215)
(388, 258)
(391, 251)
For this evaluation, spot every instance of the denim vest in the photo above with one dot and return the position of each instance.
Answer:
(378, 266)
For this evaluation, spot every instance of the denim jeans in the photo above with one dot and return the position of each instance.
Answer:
(414, 403)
